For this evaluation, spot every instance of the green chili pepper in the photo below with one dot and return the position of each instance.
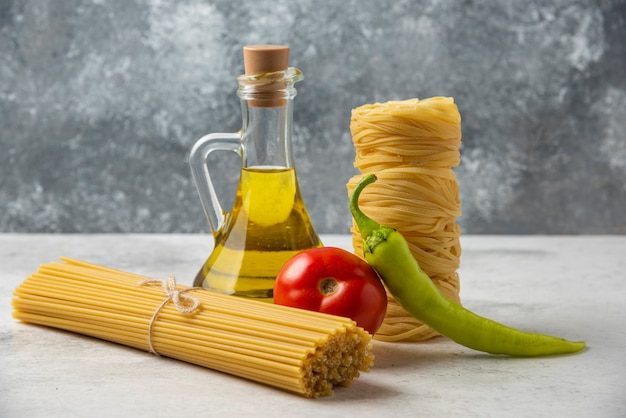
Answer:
(388, 252)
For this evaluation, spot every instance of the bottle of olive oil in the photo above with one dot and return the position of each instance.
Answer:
(268, 222)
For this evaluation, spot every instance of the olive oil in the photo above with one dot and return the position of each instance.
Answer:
(267, 225)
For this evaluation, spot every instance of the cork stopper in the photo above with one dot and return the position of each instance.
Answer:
(267, 62)
(260, 59)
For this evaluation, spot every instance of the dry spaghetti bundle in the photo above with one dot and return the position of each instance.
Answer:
(412, 146)
(296, 350)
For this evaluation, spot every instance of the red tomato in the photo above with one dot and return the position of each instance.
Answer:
(333, 281)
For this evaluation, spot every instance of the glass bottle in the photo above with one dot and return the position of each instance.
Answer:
(268, 222)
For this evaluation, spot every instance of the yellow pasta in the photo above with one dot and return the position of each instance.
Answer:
(296, 350)
(412, 147)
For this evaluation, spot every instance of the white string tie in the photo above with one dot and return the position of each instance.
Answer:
(183, 302)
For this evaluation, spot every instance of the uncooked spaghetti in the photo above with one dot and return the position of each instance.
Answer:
(296, 350)
(412, 147)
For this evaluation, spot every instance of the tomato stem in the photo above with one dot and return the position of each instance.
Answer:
(328, 286)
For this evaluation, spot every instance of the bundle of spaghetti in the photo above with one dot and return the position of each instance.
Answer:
(296, 350)
(412, 147)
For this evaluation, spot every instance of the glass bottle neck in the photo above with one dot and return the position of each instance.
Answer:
(266, 135)
(266, 104)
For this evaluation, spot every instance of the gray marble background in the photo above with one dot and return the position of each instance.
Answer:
(101, 101)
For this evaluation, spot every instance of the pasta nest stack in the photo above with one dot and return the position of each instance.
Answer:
(412, 147)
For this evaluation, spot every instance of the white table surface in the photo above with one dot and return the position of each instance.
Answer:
(570, 286)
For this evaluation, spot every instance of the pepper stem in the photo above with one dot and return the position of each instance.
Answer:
(366, 225)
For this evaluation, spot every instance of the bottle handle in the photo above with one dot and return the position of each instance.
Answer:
(202, 175)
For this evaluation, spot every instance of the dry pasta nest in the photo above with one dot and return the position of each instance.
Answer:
(412, 146)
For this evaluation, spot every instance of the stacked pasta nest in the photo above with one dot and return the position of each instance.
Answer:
(412, 147)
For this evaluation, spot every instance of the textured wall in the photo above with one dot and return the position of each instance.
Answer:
(100, 103)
